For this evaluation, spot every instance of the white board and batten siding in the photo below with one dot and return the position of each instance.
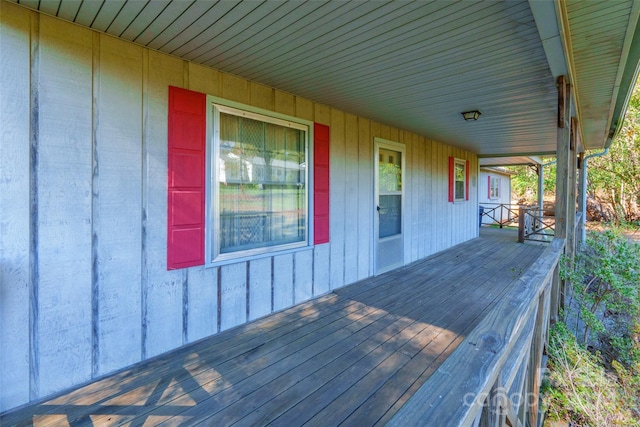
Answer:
(84, 284)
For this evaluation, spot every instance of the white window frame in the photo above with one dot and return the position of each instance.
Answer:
(215, 106)
(496, 180)
(463, 163)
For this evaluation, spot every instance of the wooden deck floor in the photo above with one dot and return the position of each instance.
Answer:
(352, 357)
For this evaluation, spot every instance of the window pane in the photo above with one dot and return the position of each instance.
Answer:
(390, 170)
(390, 218)
(262, 190)
(459, 172)
(459, 181)
(495, 187)
(459, 190)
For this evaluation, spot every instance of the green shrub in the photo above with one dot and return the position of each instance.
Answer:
(596, 382)
(579, 388)
(604, 280)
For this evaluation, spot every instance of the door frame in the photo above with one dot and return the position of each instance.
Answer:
(400, 147)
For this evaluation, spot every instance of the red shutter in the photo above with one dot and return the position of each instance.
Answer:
(186, 180)
(452, 168)
(489, 187)
(320, 184)
(466, 180)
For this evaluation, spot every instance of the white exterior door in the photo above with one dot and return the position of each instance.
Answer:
(389, 209)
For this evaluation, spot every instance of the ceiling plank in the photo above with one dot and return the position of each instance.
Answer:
(168, 15)
(49, 7)
(32, 4)
(107, 14)
(125, 17)
(69, 9)
(205, 23)
(180, 24)
(88, 11)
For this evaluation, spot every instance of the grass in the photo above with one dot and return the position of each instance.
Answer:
(581, 388)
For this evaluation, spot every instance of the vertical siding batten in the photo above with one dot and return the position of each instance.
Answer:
(64, 223)
(16, 196)
(424, 181)
(351, 217)
(283, 285)
(95, 214)
(410, 197)
(118, 201)
(337, 208)
(248, 291)
(233, 295)
(185, 306)
(365, 199)
(303, 276)
(427, 231)
(144, 196)
(34, 142)
(259, 288)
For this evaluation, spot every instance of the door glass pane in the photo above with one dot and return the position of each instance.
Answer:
(389, 170)
(390, 222)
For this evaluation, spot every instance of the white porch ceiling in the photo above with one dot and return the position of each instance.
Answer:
(510, 161)
(414, 65)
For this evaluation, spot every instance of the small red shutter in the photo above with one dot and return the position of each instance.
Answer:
(451, 178)
(320, 184)
(489, 187)
(466, 180)
(186, 180)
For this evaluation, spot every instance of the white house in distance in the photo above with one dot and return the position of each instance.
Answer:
(494, 194)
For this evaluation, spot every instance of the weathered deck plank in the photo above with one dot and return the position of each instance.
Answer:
(352, 357)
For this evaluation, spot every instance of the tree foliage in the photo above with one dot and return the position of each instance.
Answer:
(524, 184)
(613, 178)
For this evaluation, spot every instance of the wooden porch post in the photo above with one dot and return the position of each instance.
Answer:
(571, 193)
(540, 170)
(563, 155)
(582, 199)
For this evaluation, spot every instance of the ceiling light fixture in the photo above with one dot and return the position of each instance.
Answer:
(471, 115)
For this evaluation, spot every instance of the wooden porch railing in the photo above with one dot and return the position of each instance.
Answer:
(499, 213)
(493, 378)
(534, 225)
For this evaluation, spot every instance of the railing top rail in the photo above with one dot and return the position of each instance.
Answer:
(470, 371)
(498, 204)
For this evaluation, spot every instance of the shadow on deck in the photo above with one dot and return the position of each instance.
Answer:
(352, 357)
